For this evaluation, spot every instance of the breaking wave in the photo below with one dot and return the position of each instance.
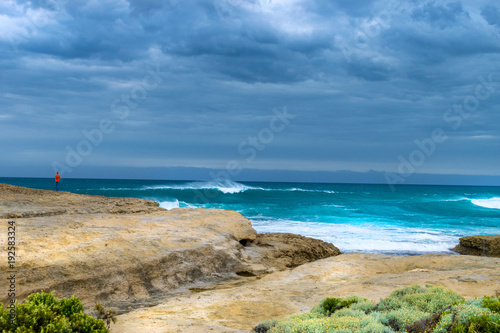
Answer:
(493, 203)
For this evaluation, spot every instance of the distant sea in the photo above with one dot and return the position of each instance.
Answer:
(411, 220)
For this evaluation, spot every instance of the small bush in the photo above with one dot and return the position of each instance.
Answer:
(479, 324)
(412, 309)
(328, 306)
(333, 304)
(427, 324)
(491, 303)
(107, 315)
(265, 326)
(42, 312)
(430, 299)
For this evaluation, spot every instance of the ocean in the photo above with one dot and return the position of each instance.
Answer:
(411, 220)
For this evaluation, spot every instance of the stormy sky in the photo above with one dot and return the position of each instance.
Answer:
(157, 88)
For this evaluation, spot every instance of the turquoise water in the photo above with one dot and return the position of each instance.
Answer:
(355, 217)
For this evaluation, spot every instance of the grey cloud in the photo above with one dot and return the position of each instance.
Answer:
(441, 16)
(491, 14)
(224, 69)
(147, 7)
(361, 8)
(369, 69)
(45, 4)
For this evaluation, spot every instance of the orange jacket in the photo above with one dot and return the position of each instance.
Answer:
(58, 178)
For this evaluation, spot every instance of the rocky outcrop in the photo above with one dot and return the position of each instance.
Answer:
(21, 202)
(486, 246)
(128, 253)
(279, 251)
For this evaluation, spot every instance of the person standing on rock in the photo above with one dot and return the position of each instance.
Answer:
(58, 178)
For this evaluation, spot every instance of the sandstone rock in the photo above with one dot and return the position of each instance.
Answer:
(21, 202)
(279, 251)
(128, 253)
(486, 246)
(238, 306)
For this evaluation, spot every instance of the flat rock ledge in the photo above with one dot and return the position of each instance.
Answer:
(237, 307)
(129, 253)
(485, 246)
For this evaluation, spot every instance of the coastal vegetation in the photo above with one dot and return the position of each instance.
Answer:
(44, 313)
(416, 309)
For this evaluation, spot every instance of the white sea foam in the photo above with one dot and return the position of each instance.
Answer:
(365, 237)
(170, 204)
(493, 203)
(293, 189)
(456, 199)
(226, 186)
(306, 190)
(223, 186)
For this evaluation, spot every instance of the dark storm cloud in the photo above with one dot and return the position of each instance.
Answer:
(361, 8)
(365, 79)
(491, 14)
(369, 70)
(441, 16)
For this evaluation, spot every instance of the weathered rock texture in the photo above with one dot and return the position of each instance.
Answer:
(128, 253)
(21, 202)
(239, 306)
(284, 250)
(486, 246)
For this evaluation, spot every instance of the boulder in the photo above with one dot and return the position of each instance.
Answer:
(279, 251)
(485, 246)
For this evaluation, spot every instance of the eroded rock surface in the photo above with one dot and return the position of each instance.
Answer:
(487, 246)
(239, 306)
(128, 253)
(284, 250)
(22, 202)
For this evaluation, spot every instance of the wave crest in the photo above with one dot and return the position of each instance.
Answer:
(227, 186)
(493, 203)
(168, 205)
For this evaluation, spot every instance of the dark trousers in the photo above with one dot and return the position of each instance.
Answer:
(57, 186)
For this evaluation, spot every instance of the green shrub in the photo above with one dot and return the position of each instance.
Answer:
(414, 308)
(470, 317)
(265, 326)
(411, 309)
(324, 324)
(328, 306)
(107, 315)
(400, 318)
(479, 324)
(491, 303)
(364, 305)
(43, 313)
(429, 300)
(333, 304)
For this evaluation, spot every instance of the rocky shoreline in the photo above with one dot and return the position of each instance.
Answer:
(127, 253)
(198, 270)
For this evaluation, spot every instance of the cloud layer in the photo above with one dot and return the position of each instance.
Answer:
(365, 80)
